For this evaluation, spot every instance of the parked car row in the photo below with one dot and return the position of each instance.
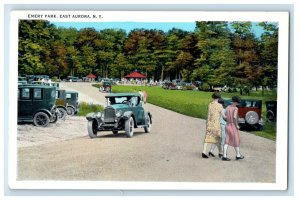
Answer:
(43, 104)
(178, 85)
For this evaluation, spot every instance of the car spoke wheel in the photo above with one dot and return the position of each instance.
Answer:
(54, 118)
(93, 128)
(147, 128)
(62, 113)
(70, 110)
(129, 127)
(41, 119)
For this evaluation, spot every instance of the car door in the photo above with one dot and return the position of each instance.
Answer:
(25, 102)
(140, 113)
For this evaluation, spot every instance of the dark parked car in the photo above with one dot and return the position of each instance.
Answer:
(105, 86)
(271, 110)
(72, 78)
(169, 85)
(249, 112)
(61, 103)
(72, 102)
(36, 103)
(124, 111)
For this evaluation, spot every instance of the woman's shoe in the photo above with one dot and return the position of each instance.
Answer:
(204, 155)
(225, 159)
(220, 155)
(239, 158)
(211, 154)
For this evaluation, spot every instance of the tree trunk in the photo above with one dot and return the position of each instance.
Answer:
(162, 73)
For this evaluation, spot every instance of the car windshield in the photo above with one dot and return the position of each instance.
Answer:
(117, 100)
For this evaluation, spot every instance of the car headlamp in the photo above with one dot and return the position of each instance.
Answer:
(118, 113)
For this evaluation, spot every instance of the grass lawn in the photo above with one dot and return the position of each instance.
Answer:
(194, 103)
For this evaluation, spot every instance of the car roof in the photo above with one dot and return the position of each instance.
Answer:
(228, 99)
(73, 92)
(123, 95)
(35, 86)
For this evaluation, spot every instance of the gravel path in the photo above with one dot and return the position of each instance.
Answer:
(171, 152)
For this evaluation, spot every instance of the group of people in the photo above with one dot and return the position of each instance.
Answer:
(222, 128)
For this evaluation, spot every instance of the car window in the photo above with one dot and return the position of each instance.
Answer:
(120, 99)
(133, 101)
(247, 103)
(37, 93)
(68, 96)
(25, 93)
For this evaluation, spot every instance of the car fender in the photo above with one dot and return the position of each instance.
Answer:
(129, 114)
(93, 115)
(270, 112)
(148, 113)
(71, 107)
(45, 111)
(63, 107)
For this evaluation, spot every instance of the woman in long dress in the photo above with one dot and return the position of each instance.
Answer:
(232, 129)
(213, 127)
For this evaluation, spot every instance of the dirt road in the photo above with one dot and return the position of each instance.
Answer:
(171, 152)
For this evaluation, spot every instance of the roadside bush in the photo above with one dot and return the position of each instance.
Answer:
(204, 87)
(55, 79)
(188, 87)
(97, 85)
(85, 108)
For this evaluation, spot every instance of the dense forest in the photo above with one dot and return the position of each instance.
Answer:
(217, 53)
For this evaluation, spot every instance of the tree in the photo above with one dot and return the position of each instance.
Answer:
(141, 46)
(248, 71)
(35, 40)
(215, 60)
(269, 53)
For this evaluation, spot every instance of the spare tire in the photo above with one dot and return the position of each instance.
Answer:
(251, 117)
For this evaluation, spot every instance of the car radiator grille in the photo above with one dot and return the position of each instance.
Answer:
(109, 115)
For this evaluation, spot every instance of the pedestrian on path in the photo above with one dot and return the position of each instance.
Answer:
(213, 127)
(232, 129)
(223, 123)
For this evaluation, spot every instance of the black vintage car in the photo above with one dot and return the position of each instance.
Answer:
(36, 103)
(61, 103)
(105, 87)
(271, 110)
(72, 102)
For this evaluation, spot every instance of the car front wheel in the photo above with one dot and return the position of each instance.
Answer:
(92, 128)
(129, 127)
(41, 119)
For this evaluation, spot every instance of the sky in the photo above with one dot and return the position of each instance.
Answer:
(128, 26)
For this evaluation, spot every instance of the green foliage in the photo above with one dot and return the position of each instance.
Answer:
(216, 53)
(204, 87)
(194, 103)
(86, 108)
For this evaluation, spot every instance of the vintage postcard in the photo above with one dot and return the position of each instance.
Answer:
(161, 100)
